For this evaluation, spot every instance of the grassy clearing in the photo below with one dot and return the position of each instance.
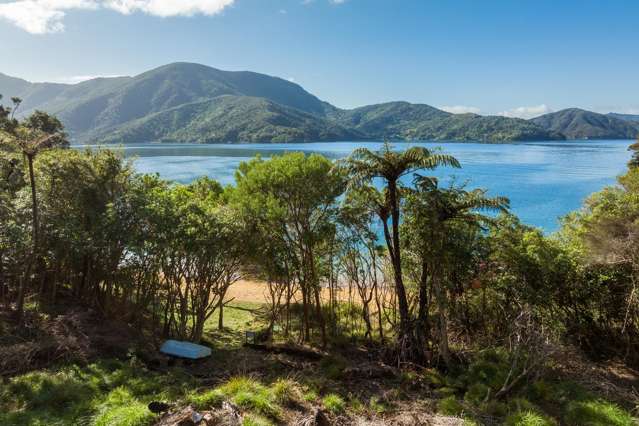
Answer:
(102, 393)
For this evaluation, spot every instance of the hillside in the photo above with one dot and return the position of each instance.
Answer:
(625, 117)
(187, 102)
(230, 118)
(580, 124)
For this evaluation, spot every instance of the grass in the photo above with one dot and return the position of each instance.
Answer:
(450, 406)
(597, 413)
(122, 409)
(117, 392)
(334, 403)
(102, 393)
(529, 418)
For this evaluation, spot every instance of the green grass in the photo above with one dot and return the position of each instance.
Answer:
(205, 400)
(122, 409)
(236, 322)
(597, 413)
(250, 394)
(334, 403)
(255, 420)
(528, 418)
(450, 406)
(104, 393)
(286, 391)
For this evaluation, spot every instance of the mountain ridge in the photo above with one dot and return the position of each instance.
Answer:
(189, 102)
(577, 123)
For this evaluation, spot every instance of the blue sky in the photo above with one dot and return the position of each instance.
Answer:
(517, 57)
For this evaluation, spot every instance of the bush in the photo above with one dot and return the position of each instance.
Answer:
(377, 405)
(333, 367)
(476, 393)
(596, 413)
(310, 396)
(450, 406)
(286, 391)
(529, 418)
(334, 403)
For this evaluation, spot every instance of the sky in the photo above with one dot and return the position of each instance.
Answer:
(509, 57)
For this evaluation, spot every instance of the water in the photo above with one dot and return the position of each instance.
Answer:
(544, 180)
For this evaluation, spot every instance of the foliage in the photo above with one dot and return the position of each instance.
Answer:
(184, 102)
(576, 123)
(334, 403)
(106, 392)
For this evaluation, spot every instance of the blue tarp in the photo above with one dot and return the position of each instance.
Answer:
(185, 349)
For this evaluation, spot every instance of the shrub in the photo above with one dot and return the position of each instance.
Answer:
(596, 413)
(450, 406)
(286, 391)
(377, 405)
(476, 393)
(310, 396)
(334, 403)
(528, 418)
(333, 367)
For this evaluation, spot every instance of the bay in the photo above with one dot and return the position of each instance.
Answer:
(544, 180)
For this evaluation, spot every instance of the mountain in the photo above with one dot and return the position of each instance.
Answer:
(187, 102)
(577, 123)
(625, 117)
(230, 118)
(402, 120)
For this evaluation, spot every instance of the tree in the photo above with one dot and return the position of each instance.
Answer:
(36, 133)
(364, 166)
(634, 161)
(289, 201)
(442, 226)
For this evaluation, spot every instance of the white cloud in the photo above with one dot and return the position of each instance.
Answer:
(526, 111)
(46, 16)
(460, 109)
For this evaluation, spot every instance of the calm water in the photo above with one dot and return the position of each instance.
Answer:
(544, 180)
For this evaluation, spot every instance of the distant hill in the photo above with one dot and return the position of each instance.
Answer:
(402, 120)
(577, 123)
(230, 118)
(187, 102)
(625, 117)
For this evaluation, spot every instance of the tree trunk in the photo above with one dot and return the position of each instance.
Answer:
(396, 258)
(220, 322)
(34, 253)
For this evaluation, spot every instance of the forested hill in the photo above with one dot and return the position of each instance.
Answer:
(625, 117)
(185, 102)
(580, 124)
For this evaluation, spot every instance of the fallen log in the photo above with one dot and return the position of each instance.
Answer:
(302, 352)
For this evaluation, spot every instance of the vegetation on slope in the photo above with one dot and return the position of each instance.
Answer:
(167, 103)
(452, 309)
(579, 124)
(230, 118)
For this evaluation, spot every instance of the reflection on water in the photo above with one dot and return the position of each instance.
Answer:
(544, 180)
